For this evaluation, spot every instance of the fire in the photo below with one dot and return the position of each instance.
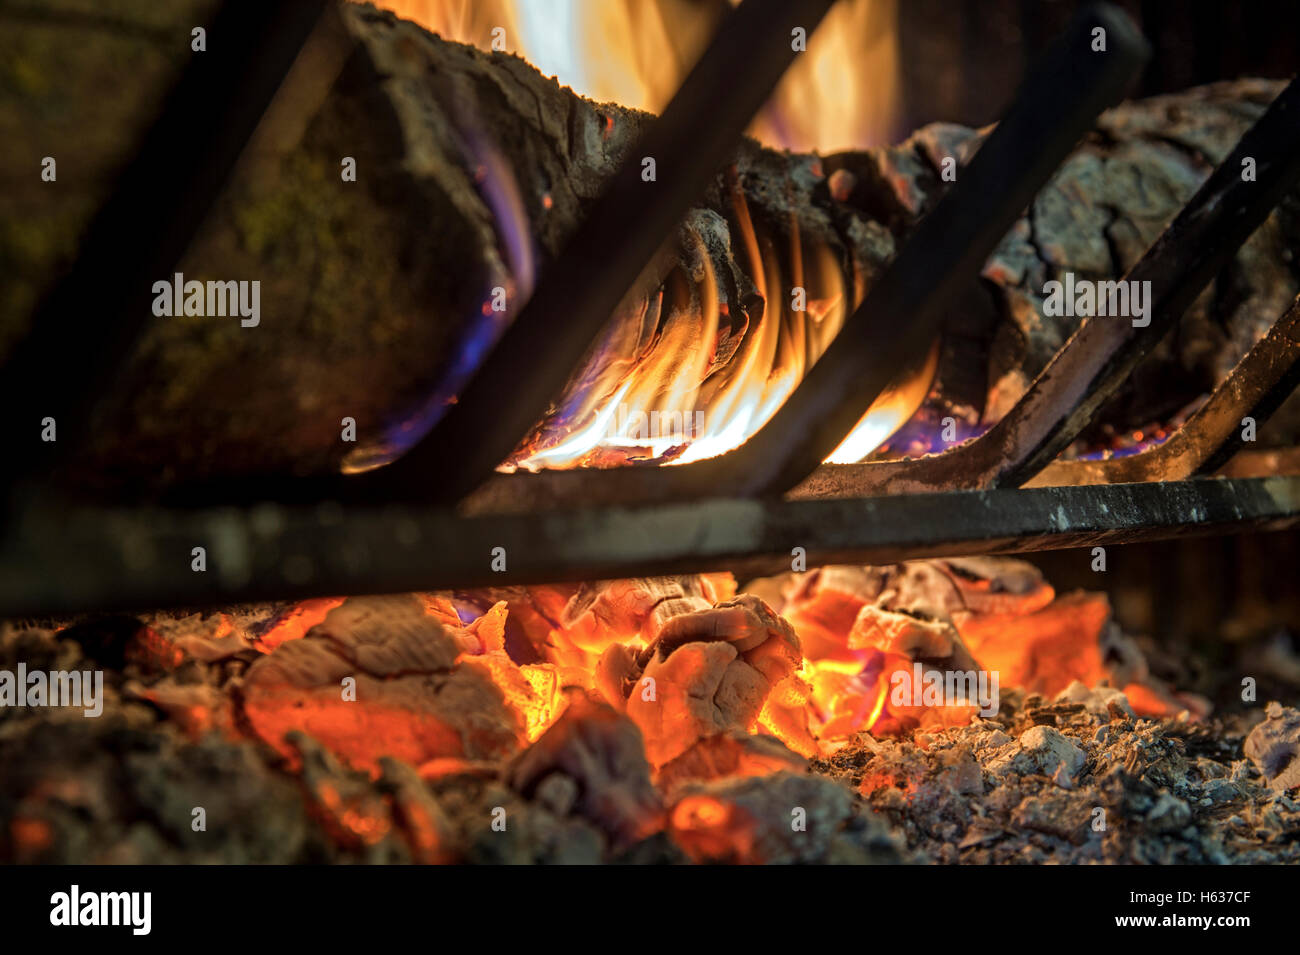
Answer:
(668, 383)
(888, 413)
(696, 665)
(845, 92)
(676, 402)
(842, 93)
(680, 707)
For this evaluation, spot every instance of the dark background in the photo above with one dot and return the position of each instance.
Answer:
(961, 60)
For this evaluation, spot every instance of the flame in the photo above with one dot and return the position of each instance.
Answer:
(676, 402)
(841, 93)
(844, 93)
(659, 387)
(887, 413)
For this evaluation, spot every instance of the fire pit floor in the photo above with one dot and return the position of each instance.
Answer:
(518, 726)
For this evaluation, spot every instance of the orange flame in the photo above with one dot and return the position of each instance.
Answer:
(841, 93)
(669, 399)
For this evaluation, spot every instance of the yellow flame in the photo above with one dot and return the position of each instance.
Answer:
(675, 376)
(659, 364)
(841, 93)
(887, 413)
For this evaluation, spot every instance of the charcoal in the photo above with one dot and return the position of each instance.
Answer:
(1274, 747)
(454, 752)
(418, 703)
(592, 761)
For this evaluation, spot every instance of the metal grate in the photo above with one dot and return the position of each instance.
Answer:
(413, 526)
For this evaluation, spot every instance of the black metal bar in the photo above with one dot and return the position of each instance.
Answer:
(1261, 380)
(1054, 107)
(1096, 360)
(69, 561)
(1198, 244)
(579, 292)
(85, 327)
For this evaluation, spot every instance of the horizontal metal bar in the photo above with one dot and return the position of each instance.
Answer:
(1262, 379)
(66, 561)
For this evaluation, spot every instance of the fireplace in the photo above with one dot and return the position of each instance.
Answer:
(749, 452)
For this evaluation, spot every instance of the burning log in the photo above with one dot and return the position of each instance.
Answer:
(473, 170)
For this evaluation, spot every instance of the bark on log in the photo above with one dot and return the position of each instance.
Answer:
(366, 285)
(1103, 209)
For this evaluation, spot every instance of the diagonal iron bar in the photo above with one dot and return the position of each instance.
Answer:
(1054, 107)
(1262, 380)
(577, 294)
(1197, 245)
(1102, 353)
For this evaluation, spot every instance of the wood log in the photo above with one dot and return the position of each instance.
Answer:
(1100, 212)
(473, 169)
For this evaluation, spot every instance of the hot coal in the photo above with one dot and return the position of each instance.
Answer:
(401, 729)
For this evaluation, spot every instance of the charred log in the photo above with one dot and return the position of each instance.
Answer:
(473, 169)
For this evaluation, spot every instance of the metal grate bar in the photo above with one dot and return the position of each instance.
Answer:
(1262, 379)
(578, 293)
(1055, 105)
(72, 561)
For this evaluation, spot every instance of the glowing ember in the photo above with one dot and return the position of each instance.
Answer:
(295, 624)
(676, 714)
(712, 683)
